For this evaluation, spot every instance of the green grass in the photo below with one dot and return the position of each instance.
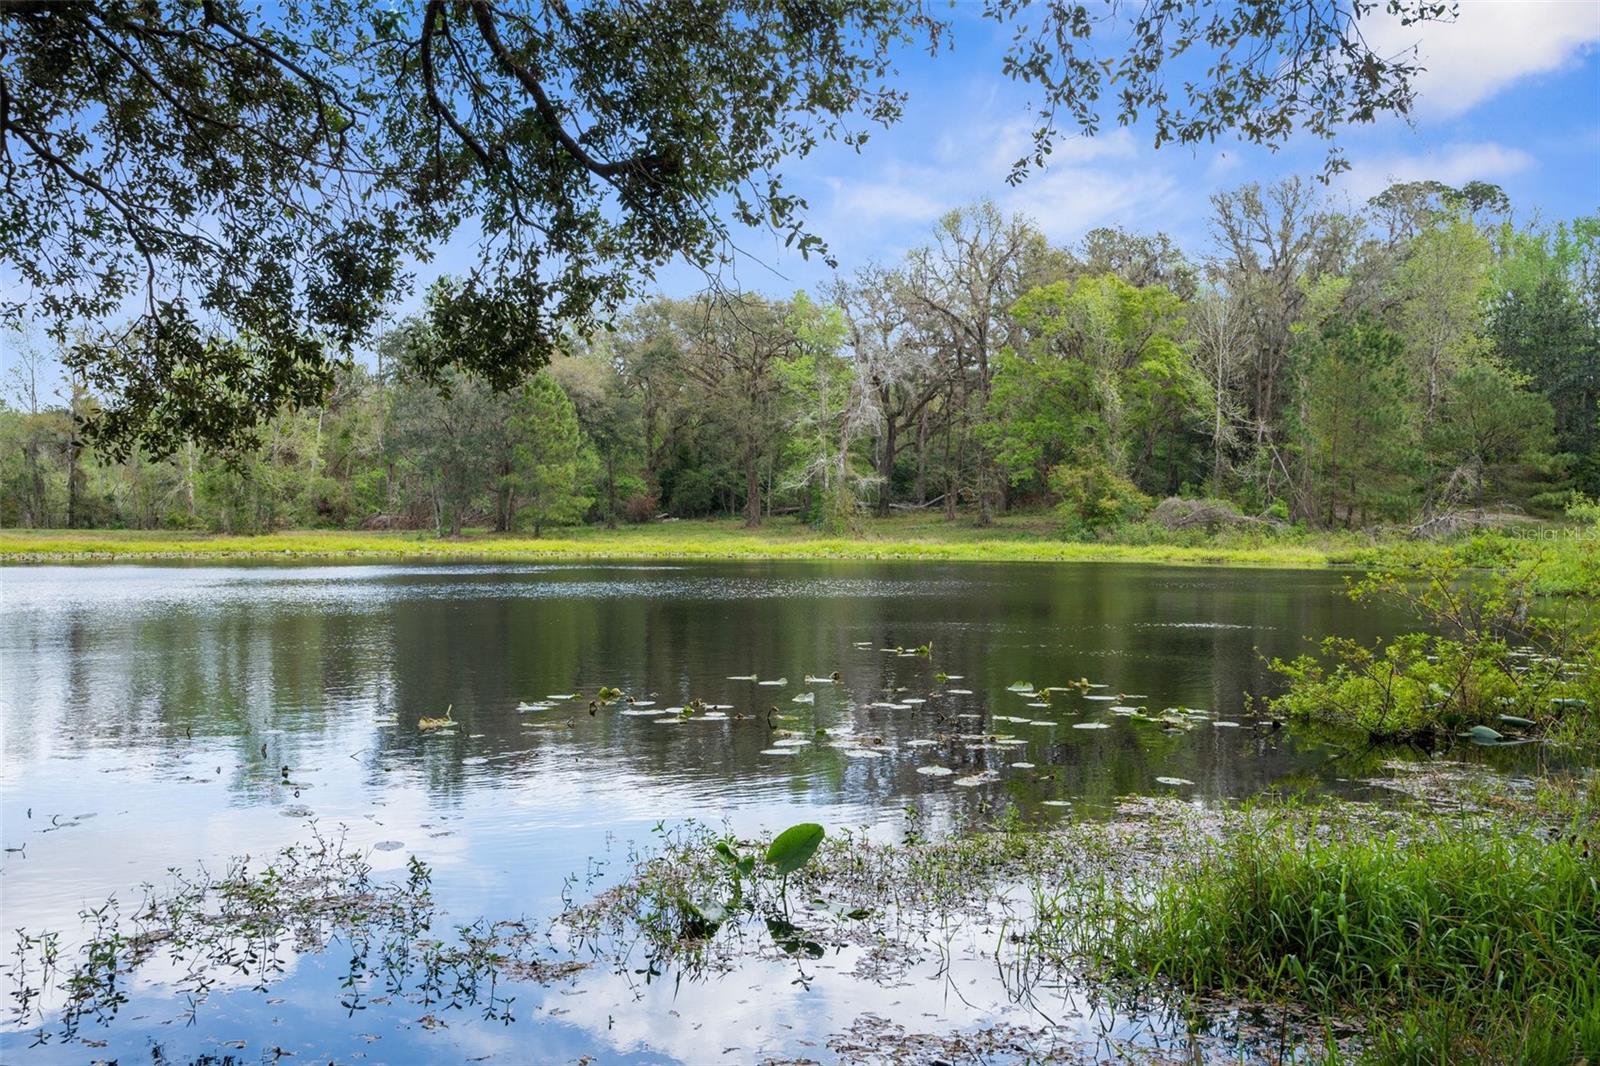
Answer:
(912, 537)
(1469, 941)
(1568, 565)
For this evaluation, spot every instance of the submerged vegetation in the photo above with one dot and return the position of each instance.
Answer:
(247, 927)
(1377, 934)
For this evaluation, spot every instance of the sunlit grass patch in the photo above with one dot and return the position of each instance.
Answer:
(1472, 940)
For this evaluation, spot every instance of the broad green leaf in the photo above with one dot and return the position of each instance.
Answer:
(793, 847)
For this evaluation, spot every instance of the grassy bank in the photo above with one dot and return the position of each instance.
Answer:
(1454, 941)
(1567, 565)
(1018, 539)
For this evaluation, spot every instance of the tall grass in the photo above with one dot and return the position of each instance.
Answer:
(1459, 942)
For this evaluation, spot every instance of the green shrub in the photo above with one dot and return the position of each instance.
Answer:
(1488, 664)
(1094, 497)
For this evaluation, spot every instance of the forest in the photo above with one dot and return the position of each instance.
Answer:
(1426, 353)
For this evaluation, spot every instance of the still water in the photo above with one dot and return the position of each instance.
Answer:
(164, 716)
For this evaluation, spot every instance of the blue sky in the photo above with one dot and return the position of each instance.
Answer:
(1511, 95)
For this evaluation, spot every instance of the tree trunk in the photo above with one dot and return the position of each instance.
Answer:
(503, 501)
(611, 491)
(886, 465)
(919, 489)
(74, 479)
(752, 493)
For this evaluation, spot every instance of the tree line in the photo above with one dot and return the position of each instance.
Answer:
(1336, 368)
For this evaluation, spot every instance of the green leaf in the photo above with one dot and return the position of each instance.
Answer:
(793, 847)
(1482, 734)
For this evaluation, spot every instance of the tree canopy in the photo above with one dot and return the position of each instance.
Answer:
(212, 204)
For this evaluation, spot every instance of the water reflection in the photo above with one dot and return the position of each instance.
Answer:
(158, 716)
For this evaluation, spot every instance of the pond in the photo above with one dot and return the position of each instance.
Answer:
(159, 717)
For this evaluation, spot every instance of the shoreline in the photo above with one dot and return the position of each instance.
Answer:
(698, 542)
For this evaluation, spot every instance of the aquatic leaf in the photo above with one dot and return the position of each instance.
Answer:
(1173, 781)
(793, 848)
(1482, 734)
(562, 696)
(437, 723)
(935, 771)
(792, 940)
(702, 920)
(1091, 725)
(806, 697)
(769, 684)
(741, 677)
(1020, 686)
(1521, 723)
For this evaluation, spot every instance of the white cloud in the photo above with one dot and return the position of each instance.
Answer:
(1086, 182)
(1490, 45)
(1453, 164)
(1067, 202)
(899, 195)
